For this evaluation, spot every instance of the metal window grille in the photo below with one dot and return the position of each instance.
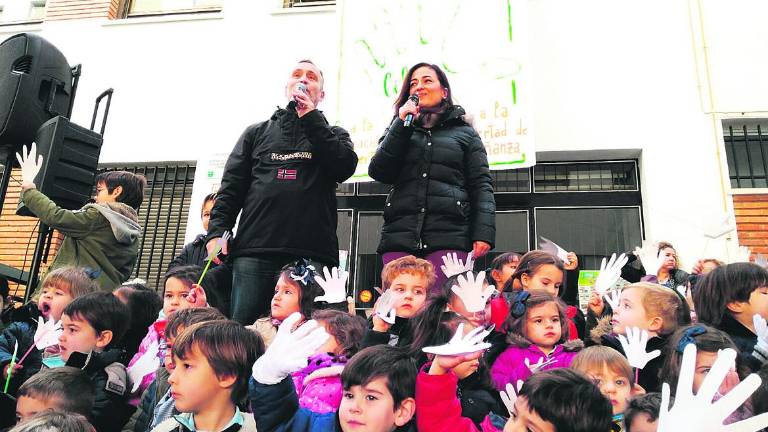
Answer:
(746, 149)
(585, 177)
(511, 181)
(163, 214)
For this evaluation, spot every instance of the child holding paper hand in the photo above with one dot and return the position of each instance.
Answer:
(180, 291)
(538, 338)
(59, 288)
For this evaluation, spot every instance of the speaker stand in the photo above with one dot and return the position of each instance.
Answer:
(6, 180)
(37, 259)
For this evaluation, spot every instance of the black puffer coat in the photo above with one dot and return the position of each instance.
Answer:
(442, 197)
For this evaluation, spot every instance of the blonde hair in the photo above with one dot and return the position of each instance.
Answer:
(408, 264)
(597, 357)
(659, 301)
(74, 280)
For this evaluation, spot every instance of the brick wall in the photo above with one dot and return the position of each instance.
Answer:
(78, 9)
(18, 234)
(752, 221)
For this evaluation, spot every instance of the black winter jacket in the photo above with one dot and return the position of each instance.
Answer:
(193, 253)
(282, 174)
(442, 196)
(22, 332)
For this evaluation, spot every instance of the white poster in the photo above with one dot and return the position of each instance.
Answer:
(481, 45)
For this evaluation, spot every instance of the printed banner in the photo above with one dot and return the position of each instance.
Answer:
(481, 45)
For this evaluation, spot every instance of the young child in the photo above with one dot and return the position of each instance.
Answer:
(502, 268)
(180, 292)
(93, 325)
(378, 382)
(211, 366)
(59, 288)
(64, 388)
(612, 374)
(319, 384)
(650, 307)
(295, 291)
(55, 421)
(538, 338)
(195, 253)
(728, 297)
(156, 403)
(709, 341)
(104, 236)
(474, 389)
(642, 413)
(551, 401)
(144, 305)
(409, 279)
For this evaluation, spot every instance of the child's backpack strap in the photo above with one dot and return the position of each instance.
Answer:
(117, 378)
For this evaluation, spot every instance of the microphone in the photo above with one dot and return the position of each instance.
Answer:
(409, 117)
(302, 88)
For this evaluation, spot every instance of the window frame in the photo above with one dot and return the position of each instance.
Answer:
(126, 13)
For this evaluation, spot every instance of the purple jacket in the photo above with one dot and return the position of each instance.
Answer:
(510, 366)
(319, 384)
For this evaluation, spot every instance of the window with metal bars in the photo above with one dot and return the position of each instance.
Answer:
(585, 176)
(746, 149)
(163, 214)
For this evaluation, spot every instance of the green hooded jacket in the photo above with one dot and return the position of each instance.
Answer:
(102, 237)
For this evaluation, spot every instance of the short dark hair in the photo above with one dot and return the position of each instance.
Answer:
(208, 198)
(383, 361)
(144, 304)
(405, 90)
(187, 274)
(568, 400)
(229, 348)
(348, 330)
(725, 284)
(70, 387)
(103, 311)
(53, 420)
(648, 403)
(187, 317)
(133, 186)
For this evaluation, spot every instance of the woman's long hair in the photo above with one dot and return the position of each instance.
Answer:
(405, 90)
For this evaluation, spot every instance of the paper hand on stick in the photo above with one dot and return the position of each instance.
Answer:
(549, 246)
(386, 306)
(609, 273)
(698, 412)
(634, 347)
(509, 397)
(453, 265)
(460, 344)
(613, 299)
(649, 257)
(47, 333)
(535, 367)
(147, 363)
(471, 291)
(29, 167)
(334, 285)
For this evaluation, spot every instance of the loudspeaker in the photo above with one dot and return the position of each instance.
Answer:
(70, 159)
(35, 85)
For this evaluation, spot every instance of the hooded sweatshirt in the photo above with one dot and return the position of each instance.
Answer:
(510, 366)
(102, 237)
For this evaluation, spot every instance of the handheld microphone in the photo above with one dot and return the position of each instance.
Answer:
(294, 102)
(409, 117)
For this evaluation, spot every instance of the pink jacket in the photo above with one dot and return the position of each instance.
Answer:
(155, 336)
(510, 366)
(319, 384)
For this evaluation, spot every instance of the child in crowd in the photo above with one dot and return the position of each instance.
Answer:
(144, 305)
(502, 268)
(59, 288)
(103, 236)
(156, 403)
(538, 337)
(555, 400)
(93, 325)
(295, 291)
(319, 384)
(612, 374)
(709, 341)
(65, 388)
(642, 413)
(211, 365)
(475, 390)
(378, 385)
(180, 292)
(55, 421)
(650, 307)
(195, 253)
(728, 297)
(409, 279)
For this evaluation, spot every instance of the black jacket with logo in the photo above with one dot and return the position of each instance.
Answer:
(282, 174)
(442, 196)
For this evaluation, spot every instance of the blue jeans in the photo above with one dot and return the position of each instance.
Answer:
(253, 284)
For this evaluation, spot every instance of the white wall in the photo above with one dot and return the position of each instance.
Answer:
(629, 75)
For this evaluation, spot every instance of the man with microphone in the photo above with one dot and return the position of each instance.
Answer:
(282, 175)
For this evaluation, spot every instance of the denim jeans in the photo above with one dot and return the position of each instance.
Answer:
(253, 284)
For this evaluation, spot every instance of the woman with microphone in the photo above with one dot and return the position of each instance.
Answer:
(441, 199)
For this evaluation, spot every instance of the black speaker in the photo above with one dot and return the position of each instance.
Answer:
(35, 86)
(70, 159)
